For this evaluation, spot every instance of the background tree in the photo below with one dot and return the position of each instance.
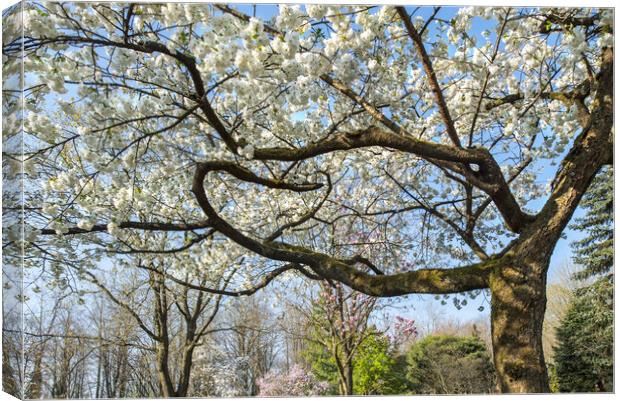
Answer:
(296, 383)
(339, 323)
(595, 252)
(345, 347)
(291, 325)
(378, 368)
(218, 374)
(450, 365)
(584, 355)
(560, 294)
(230, 362)
(180, 316)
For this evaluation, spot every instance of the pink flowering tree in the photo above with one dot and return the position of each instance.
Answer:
(338, 323)
(296, 383)
(405, 326)
(404, 330)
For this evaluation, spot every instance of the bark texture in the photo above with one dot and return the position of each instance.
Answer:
(518, 288)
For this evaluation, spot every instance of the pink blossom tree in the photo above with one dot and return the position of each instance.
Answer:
(339, 320)
(296, 383)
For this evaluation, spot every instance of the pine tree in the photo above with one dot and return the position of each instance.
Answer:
(584, 355)
(595, 252)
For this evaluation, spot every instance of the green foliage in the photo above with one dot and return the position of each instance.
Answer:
(446, 364)
(554, 381)
(595, 252)
(377, 370)
(584, 355)
(322, 364)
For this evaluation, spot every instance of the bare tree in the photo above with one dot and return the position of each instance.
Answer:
(252, 340)
(180, 318)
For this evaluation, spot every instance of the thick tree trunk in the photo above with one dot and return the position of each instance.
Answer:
(518, 286)
(518, 303)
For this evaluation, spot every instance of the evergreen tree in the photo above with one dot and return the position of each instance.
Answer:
(584, 355)
(595, 252)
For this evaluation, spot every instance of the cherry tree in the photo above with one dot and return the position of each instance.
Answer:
(277, 137)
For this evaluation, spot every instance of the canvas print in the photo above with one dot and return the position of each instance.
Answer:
(227, 200)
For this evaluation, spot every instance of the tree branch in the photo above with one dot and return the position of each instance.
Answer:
(432, 77)
(138, 225)
(267, 278)
(590, 151)
(420, 281)
(374, 136)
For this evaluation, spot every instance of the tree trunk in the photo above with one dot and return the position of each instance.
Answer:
(162, 346)
(518, 302)
(518, 286)
(163, 372)
(9, 383)
(34, 387)
(345, 372)
(348, 377)
(186, 366)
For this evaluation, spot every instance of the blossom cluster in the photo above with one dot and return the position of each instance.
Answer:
(114, 131)
(295, 383)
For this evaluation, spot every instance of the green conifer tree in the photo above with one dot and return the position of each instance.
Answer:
(584, 354)
(595, 252)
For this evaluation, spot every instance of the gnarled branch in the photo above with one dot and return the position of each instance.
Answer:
(420, 281)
